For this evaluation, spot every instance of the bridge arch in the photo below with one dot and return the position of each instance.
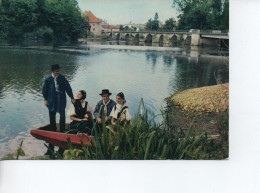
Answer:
(126, 37)
(136, 38)
(148, 38)
(118, 36)
(187, 40)
(173, 39)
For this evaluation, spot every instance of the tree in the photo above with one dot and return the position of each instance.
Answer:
(21, 17)
(156, 17)
(169, 24)
(153, 24)
(224, 19)
(148, 25)
(202, 14)
(65, 18)
(2, 19)
(61, 19)
(133, 28)
(126, 28)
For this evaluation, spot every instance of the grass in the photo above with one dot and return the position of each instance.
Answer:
(145, 139)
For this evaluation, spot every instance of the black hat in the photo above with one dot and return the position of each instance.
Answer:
(55, 67)
(105, 91)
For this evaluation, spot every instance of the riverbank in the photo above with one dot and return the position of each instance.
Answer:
(207, 108)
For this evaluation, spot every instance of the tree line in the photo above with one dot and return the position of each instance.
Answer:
(195, 14)
(203, 14)
(59, 20)
(154, 24)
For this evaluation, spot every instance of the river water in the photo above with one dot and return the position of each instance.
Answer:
(147, 72)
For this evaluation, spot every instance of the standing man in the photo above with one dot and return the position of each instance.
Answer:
(107, 104)
(54, 88)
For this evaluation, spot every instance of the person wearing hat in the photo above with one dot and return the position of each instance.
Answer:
(107, 104)
(120, 111)
(81, 115)
(54, 91)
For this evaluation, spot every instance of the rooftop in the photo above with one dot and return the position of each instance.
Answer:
(92, 18)
(111, 26)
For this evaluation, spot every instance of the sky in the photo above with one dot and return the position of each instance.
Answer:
(124, 11)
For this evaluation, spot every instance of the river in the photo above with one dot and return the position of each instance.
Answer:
(147, 72)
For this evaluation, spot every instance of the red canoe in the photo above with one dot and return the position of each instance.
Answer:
(60, 139)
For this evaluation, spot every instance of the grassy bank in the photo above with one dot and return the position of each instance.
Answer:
(205, 99)
(207, 107)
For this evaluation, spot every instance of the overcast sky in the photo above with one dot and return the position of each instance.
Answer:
(124, 11)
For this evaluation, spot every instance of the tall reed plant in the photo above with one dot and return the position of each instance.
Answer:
(143, 139)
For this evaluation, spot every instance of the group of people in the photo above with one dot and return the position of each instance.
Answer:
(80, 111)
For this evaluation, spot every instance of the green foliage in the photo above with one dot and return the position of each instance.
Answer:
(203, 14)
(20, 17)
(169, 24)
(133, 28)
(61, 20)
(44, 33)
(145, 139)
(10, 156)
(2, 21)
(64, 18)
(156, 17)
(127, 28)
(152, 24)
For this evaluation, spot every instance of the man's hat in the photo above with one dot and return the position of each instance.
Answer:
(105, 91)
(55, 67)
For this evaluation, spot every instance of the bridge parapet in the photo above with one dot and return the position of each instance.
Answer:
(157, 32)
(193, 37)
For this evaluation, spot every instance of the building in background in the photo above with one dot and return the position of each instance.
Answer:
(99, 26)
(95, 23)
(110, 28)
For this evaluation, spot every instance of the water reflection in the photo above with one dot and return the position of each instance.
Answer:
(168, 60)
(22, 69)
(150, 74)
(152, 56)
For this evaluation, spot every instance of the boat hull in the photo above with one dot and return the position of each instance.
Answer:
(61, 139)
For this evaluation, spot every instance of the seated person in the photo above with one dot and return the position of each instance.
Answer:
(81, 115)
(120, 111)
(107, 104)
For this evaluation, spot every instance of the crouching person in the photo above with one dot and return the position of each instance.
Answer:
(81, 115)
(120, 113)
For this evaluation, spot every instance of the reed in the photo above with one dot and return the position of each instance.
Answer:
(144, 139)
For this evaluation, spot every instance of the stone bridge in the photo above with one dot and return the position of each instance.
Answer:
(193, 37)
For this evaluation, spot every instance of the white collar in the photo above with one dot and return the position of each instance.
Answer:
(53, 75)
(107, 102)
(120, 106)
